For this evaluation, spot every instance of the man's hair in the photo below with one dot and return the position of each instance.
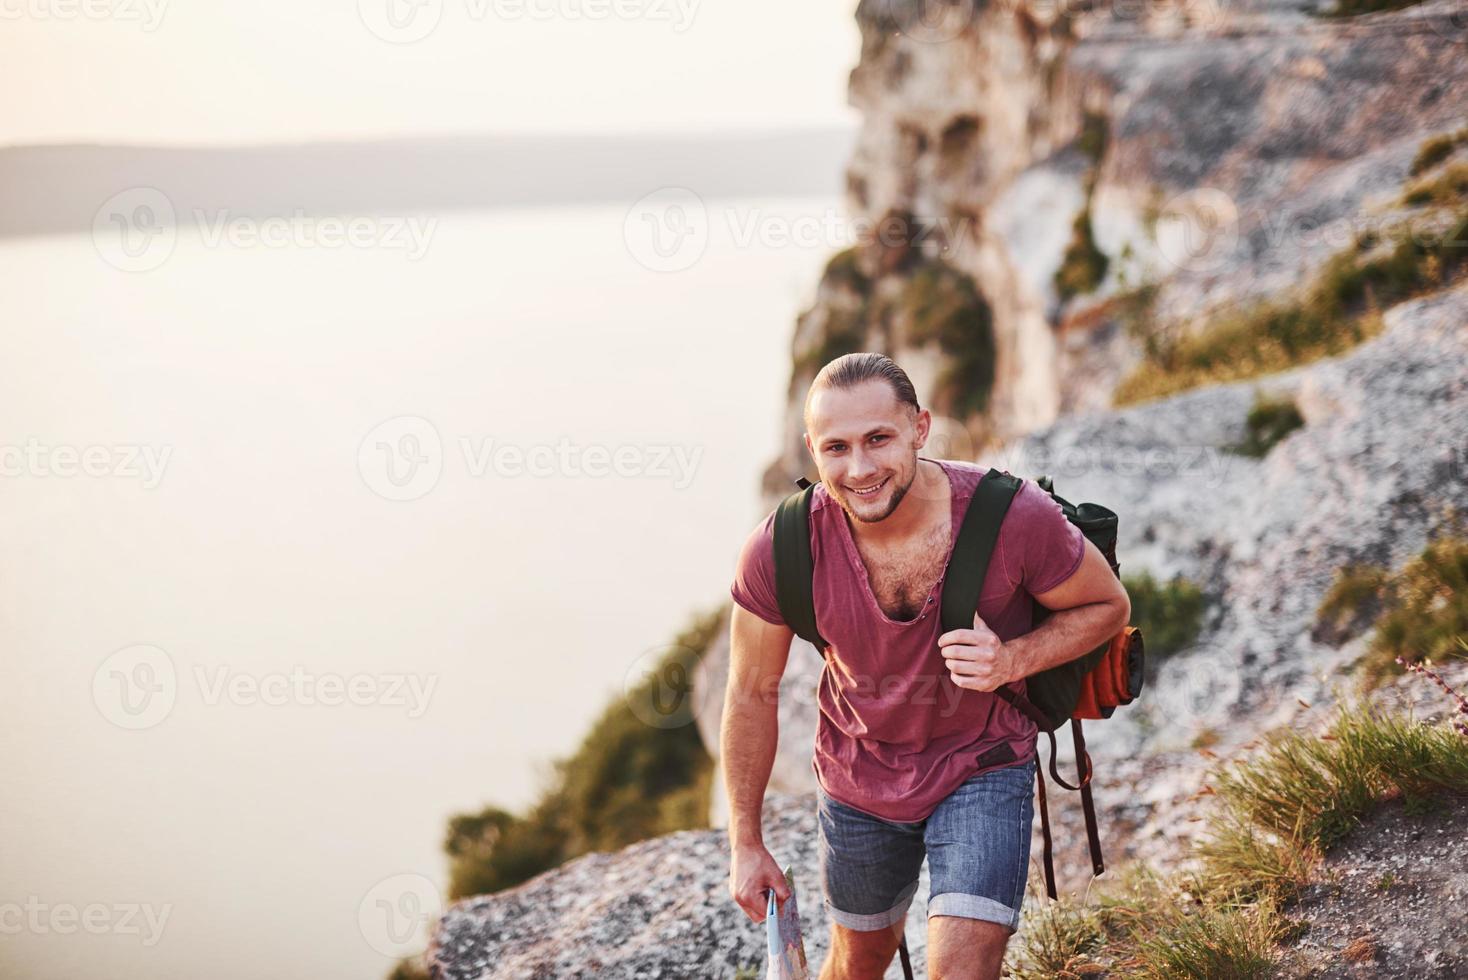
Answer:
(850, 370)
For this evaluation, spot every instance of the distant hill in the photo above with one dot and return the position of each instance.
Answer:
(47, 189)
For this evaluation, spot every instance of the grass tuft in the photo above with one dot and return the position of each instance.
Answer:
(1418, 612)
(1303, 793)
(1270, 419)
(1436, 149)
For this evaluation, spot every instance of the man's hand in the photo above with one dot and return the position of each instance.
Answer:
(977, 659)
(752, 873)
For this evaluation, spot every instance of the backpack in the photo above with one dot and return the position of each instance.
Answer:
(1089, 687)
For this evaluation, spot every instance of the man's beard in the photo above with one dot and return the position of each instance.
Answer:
(898, 492)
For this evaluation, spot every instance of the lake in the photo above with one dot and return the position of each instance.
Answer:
(309, 546)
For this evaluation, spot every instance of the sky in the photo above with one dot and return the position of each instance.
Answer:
(210, 72)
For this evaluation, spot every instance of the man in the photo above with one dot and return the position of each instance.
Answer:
(914, 755)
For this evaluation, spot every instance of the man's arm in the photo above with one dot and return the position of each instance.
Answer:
(757, 654)
(758, 651)
(1088, 608)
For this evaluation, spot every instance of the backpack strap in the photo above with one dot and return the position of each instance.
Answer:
(972, 551)
(794, 565)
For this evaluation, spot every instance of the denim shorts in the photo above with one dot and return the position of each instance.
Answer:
(977, 842)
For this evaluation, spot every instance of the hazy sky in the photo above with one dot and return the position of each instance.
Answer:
(212, 71)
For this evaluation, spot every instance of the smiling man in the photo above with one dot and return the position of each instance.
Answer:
(915, 756)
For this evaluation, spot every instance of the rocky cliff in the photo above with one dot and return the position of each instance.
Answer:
(1054, 189)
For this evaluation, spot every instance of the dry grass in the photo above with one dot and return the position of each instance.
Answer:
(1276, 815)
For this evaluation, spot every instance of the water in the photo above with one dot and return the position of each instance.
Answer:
(242, 805)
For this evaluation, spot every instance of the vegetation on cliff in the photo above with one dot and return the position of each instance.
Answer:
(1084, 265)
(1170, 614)
(1275, 815)
(1338, 309)
(922, 301)
(1415, 613)
(630, 780)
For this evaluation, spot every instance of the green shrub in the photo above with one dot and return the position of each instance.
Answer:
(628, 781)
(1340, 309)
(1426, 608)
(941, 305)
(1084, 265)
(1445, 188)
(1170, 614)
(1436, 149)
(1351, 604)
(1269, 420)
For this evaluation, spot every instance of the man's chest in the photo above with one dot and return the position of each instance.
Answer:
(902, 578)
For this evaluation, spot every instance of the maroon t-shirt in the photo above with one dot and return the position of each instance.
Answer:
(895, 734)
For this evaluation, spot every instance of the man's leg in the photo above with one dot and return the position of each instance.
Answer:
(978, 845)
(857, 955)
(869, 874)
(964, 949)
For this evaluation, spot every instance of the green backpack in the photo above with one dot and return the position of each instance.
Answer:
(1052, 696)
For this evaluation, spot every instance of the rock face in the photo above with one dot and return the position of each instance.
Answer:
(1220, 153)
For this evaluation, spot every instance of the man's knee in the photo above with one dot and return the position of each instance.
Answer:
(861, 955)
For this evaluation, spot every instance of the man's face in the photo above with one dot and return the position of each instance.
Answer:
(863, 438)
